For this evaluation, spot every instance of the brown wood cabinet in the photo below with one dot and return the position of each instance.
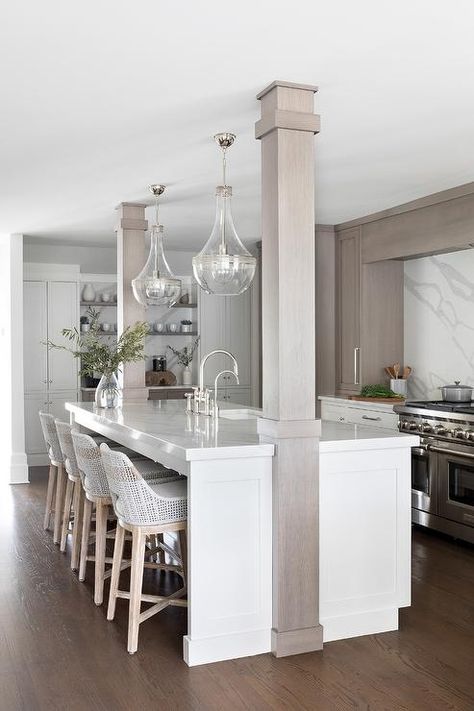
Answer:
(168, 393)
(369, 315)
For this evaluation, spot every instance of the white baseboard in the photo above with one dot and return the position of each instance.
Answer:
(372, 622)
(19, 469)
(231, 646)
(38, 460)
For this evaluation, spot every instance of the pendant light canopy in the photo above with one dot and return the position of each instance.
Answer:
(156, 284)
(223, 266)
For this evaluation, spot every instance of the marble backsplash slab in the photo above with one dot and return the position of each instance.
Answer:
(439, 322)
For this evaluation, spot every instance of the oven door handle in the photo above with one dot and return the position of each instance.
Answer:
(444, 450)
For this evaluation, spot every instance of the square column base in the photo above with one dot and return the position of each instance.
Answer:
(285, 644)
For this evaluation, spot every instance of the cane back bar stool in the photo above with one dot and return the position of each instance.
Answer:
(56, 479)
(144, 509)
(97, 494)
(74, 497)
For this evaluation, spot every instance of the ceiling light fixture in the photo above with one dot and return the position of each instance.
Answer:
(156, 285)
(223, 266)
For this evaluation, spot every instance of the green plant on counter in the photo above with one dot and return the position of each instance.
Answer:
(98, 356)
(378, 391)
(185, 356)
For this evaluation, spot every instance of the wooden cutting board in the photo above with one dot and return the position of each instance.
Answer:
(161, 377)
(390, 400)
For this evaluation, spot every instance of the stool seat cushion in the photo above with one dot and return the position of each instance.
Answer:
(176, 489)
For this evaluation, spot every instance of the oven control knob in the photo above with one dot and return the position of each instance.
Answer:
(412, 425)
(440, 430)
(468, 434)
(458, 432)
(426, 427)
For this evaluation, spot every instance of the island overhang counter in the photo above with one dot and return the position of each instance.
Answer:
(364, 521)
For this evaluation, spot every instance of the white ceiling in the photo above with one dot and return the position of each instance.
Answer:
(100, 98)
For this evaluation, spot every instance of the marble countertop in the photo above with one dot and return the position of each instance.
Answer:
(340, 437)
(162, 427)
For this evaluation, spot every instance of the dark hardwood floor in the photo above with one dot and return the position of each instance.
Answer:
(58, 652)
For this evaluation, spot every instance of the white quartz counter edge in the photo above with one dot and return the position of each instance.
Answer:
(170, 445)
(339, 437)
(383, 406)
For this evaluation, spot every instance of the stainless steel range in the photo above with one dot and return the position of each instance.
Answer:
(442, 466)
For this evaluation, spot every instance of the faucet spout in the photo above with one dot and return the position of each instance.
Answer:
(206, 358)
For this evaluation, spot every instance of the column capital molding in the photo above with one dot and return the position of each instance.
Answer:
(131, 204)
(287, 85)
(293, 120)
(130, 223)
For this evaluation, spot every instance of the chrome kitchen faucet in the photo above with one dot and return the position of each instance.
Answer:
(200, 401)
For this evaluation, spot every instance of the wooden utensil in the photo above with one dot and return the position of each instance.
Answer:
(389, 371)
(406, 372)
(396, 370)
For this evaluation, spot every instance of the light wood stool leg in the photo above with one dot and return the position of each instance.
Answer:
(66, 514)
(86, 530)
(58, 507)
(183, 544)
(101, 513)
(136, 581)
(116, 565)
(49, 496)
(77, 504)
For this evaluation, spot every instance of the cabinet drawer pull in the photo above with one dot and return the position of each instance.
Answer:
(342, 419)
(373, 419)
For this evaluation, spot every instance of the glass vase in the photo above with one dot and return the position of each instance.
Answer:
(187, 376)
(108, 393)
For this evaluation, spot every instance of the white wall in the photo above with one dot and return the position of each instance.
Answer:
(439, 322)
(12, 433)
(93, 259)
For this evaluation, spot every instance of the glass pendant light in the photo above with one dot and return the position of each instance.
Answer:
(156, 284)
(223, 266)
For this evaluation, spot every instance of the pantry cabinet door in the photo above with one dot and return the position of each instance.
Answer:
(348, 366)
(212, 319)
(238, 326)
(34, 440)
(62, 313)
(35, 333)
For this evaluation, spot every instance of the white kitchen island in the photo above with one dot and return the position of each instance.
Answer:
(364, 521)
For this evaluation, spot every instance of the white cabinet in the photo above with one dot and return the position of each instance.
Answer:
(225, 322)
(49, 306)
(50, 376)
(237, 395)
(35, 332)
(62, 313)
(353, 412)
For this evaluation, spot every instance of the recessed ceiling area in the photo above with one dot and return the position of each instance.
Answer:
(100, 99)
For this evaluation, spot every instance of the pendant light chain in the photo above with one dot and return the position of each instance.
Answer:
(223, 246)
(157, 222)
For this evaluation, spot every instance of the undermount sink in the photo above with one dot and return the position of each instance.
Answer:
(244, 414)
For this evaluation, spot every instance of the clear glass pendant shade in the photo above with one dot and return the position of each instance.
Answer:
(156, 284)
(224, 266)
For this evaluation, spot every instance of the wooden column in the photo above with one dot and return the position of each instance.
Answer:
(131, 255)
(286, 130)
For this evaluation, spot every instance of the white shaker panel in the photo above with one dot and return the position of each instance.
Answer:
(62, 313)
(35, 333)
